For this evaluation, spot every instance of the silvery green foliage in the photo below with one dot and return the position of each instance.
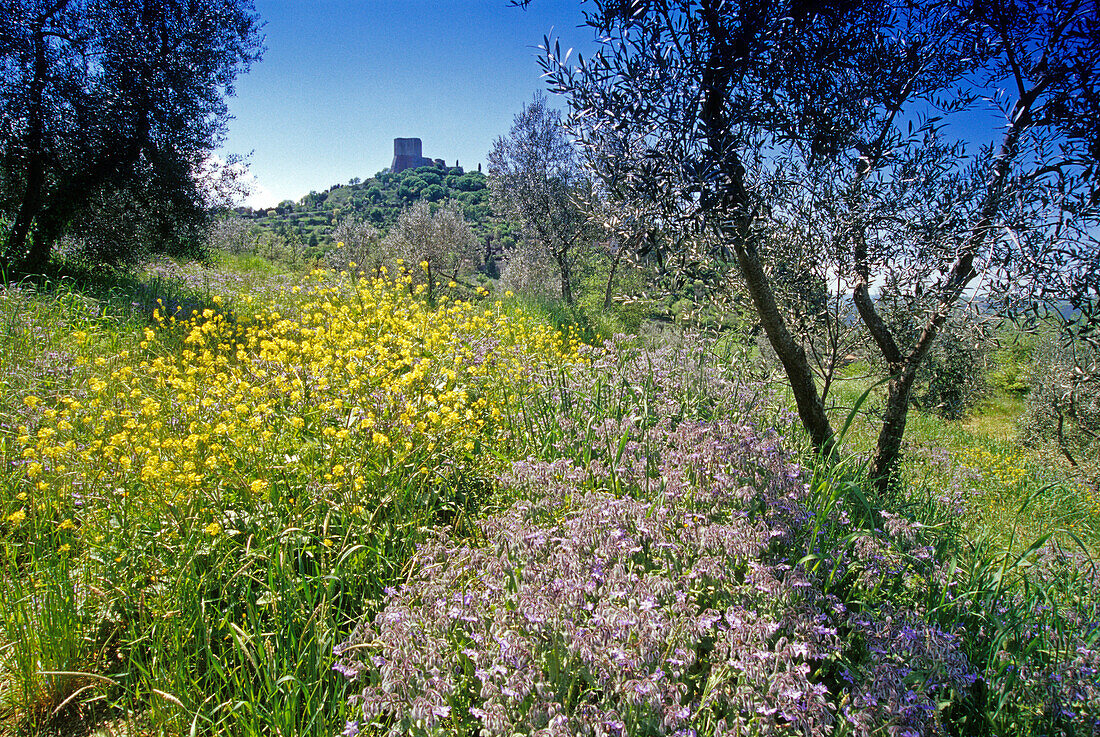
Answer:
(109, 110)
(442, 238)
(362, 246)
(529, 270)
(535, 178)
(823, 144)
(651, 580)
(952, 379)
(1063, 406)
(233, 235)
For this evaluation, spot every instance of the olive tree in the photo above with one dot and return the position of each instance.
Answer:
(357, 242)
(534, 177)
(1063, 405)
(434, 245)
(111, 109)
(233, 234)
(528, 269)
(851, 126)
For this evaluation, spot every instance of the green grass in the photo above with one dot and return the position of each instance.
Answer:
(1007, 493)
(996, 417)
(131, 610)
(212, 607)
(133, 615)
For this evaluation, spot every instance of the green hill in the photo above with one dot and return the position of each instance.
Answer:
(379, 200)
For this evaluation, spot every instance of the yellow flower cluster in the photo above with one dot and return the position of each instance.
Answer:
(362, 376)
(1089, 496)
(1005, 469)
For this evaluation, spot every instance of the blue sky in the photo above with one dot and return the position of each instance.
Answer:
(342, 78)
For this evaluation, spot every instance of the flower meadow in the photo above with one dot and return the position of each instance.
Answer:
(233, 485)
(669, 568)
(344, 508)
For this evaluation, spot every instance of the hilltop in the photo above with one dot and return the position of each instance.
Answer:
(379, 200)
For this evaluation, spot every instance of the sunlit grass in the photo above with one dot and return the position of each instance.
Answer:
(996, 416)
(206, 485)
(996, 488)
(195, 508)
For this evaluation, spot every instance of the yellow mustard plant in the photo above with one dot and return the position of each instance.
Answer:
(355, 374)
(1005, 469)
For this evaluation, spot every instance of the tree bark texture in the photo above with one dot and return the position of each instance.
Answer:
(726, 56)
(609, 291)
(36, 164)
(811, 410)
(887, 456)
(566, 277)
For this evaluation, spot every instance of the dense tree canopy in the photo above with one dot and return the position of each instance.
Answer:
(112, 107)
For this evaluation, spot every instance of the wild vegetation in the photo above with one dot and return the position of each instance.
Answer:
(839, 146)
(323, 504)
(179, 494)
(641, 453)
(303, 231)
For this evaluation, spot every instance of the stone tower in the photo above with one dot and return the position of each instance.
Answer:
(408, 153)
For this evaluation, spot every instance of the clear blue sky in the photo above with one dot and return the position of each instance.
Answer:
(342, 78)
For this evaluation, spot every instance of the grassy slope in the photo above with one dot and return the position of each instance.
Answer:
(1007, 493)
(300, 554)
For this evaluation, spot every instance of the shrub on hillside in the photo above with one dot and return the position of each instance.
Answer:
(233, 235)
(529, 270)
(953, 376)
(1063, 406)
(433, 245)
(357, 242)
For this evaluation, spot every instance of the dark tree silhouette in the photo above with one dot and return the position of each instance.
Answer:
(112, 105)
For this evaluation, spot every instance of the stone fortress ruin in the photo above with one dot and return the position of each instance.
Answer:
(408, 153)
